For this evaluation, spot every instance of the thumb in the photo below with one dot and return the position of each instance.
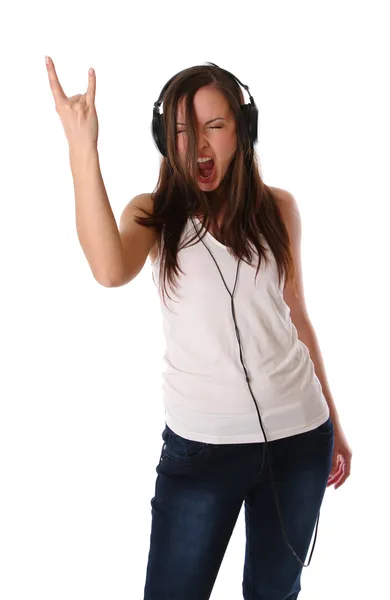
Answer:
(91, 91)
(334, 462)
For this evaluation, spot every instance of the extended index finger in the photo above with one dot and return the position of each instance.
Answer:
(57, 91)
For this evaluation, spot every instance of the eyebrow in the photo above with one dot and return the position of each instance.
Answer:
(207, 122)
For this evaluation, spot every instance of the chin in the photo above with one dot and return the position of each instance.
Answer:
(209, 187)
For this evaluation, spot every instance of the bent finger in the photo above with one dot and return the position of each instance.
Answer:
(342, 480)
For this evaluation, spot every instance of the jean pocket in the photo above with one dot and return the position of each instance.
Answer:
(325, 428)
(181, 450)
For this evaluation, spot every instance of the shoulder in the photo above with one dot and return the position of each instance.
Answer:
(143, 201)
(286, 201)
(135, 207)
(140, 203)
(289, 210)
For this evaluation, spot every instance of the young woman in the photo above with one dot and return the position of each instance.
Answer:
(249, 414)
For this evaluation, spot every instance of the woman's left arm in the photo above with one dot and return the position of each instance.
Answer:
(342, 453)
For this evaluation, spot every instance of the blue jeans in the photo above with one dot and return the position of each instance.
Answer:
(199, 492)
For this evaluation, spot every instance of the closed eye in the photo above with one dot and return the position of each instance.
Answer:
(215, 127)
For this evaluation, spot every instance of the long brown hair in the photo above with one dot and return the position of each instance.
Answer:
(177, 194)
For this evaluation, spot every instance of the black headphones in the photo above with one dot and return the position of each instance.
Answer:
(248, 111)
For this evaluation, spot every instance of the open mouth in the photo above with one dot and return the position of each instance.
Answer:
(206, 171)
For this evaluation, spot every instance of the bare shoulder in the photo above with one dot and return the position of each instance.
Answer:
(288, 207)
(135, 208)
(137, 240)
(285, 199)
(144, 201)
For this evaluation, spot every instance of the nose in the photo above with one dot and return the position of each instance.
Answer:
(203, 143)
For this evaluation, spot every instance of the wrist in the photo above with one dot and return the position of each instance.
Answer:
(82, 150)
(335, 419)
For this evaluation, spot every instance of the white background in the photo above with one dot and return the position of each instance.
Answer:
(81, 402)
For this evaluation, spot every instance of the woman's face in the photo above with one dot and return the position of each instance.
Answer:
(216, 133)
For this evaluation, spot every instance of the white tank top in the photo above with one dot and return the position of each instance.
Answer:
(205, 393)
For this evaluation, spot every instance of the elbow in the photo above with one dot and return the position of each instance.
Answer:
(108, 282)
(114, 284)
(117, 280)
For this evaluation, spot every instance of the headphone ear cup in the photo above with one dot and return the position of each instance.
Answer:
(250, 116)
(158, 132)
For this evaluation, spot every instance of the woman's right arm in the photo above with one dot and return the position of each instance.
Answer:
(115, 257)
(97, 230)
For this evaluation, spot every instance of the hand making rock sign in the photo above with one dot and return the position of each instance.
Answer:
(77, 113)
